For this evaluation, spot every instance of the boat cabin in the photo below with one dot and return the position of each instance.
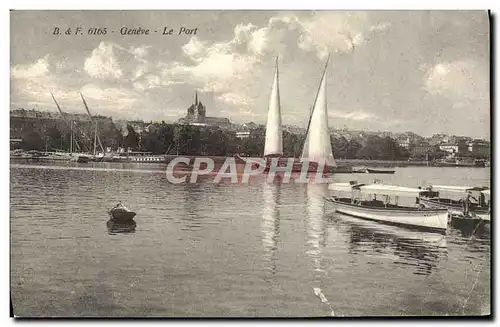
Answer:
(388, 204)
(380, 195)
(456, 195)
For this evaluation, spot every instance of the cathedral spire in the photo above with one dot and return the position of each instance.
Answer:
(196, 98)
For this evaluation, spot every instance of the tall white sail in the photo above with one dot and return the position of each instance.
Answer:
(274, 134)
(317, 146)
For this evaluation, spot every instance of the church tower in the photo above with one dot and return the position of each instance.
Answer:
(200, 110)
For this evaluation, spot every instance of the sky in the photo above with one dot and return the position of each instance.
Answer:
(420, 71)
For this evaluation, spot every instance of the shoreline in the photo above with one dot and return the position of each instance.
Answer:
(342, 163)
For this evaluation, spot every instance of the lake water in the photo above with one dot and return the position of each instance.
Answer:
(239, 250)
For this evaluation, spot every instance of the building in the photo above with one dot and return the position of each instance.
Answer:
(449, 147)
(421, 149)
(197, 115)
(404, 143)
(408, 139)
(250, 125)
(479, 148)
(243, 134)
(437, 139)
(454, 148)
(295, 130)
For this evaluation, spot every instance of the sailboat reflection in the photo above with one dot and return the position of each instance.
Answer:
(270, 223)
(316, 238)
(315, 225)
(421, 250)
(121, 228)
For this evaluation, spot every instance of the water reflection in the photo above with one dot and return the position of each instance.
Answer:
(422, 250)
(121, 227)
(191, 219)
(468, 228)
(315, 224)
(316, 238)
(270, 223)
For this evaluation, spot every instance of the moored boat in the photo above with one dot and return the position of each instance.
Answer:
(459, 202)
(120, 213)
(373, 171)
(363, 203)
(379, 171)
(78, 157)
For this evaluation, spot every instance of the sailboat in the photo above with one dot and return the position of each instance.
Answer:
(273, 147)
(95, 157)
(73, 156)
(317, 150)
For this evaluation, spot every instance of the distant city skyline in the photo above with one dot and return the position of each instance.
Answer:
(396, 71)
(121, 122)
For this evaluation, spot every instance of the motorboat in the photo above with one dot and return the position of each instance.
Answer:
(373, 171)
(362, 202)
(121, 213)
(460, 202)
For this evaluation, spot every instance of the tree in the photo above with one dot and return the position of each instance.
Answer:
(54, 138)
(131, 139)
(33, 141)
(291, 144)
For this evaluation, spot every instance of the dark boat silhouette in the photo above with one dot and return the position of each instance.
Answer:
(115, 227)
(120, 213)
(373, 171)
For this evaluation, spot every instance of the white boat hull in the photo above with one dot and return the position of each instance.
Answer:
(483, 216)
(77, 157)
(435, 219)
(455, 211)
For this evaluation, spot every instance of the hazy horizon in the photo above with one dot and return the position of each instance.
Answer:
(397, 71)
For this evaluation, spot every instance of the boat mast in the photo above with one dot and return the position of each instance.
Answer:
(96, 137)
(316, 98)
(70, 125)
(71, 139)
(317, 145)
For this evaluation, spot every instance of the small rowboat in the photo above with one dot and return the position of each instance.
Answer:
(373, 171)
(379, 171)
(120, 213)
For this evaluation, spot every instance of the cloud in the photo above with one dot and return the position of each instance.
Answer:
(326, 32)
(194, 48)
(380, 27)
(353, 115)
(459, 81)
(34, 82)
(40, 68)
(102, 63)
(111, 98)
(140, 51)
(233, 98)
(232, 68)
(222, 66)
